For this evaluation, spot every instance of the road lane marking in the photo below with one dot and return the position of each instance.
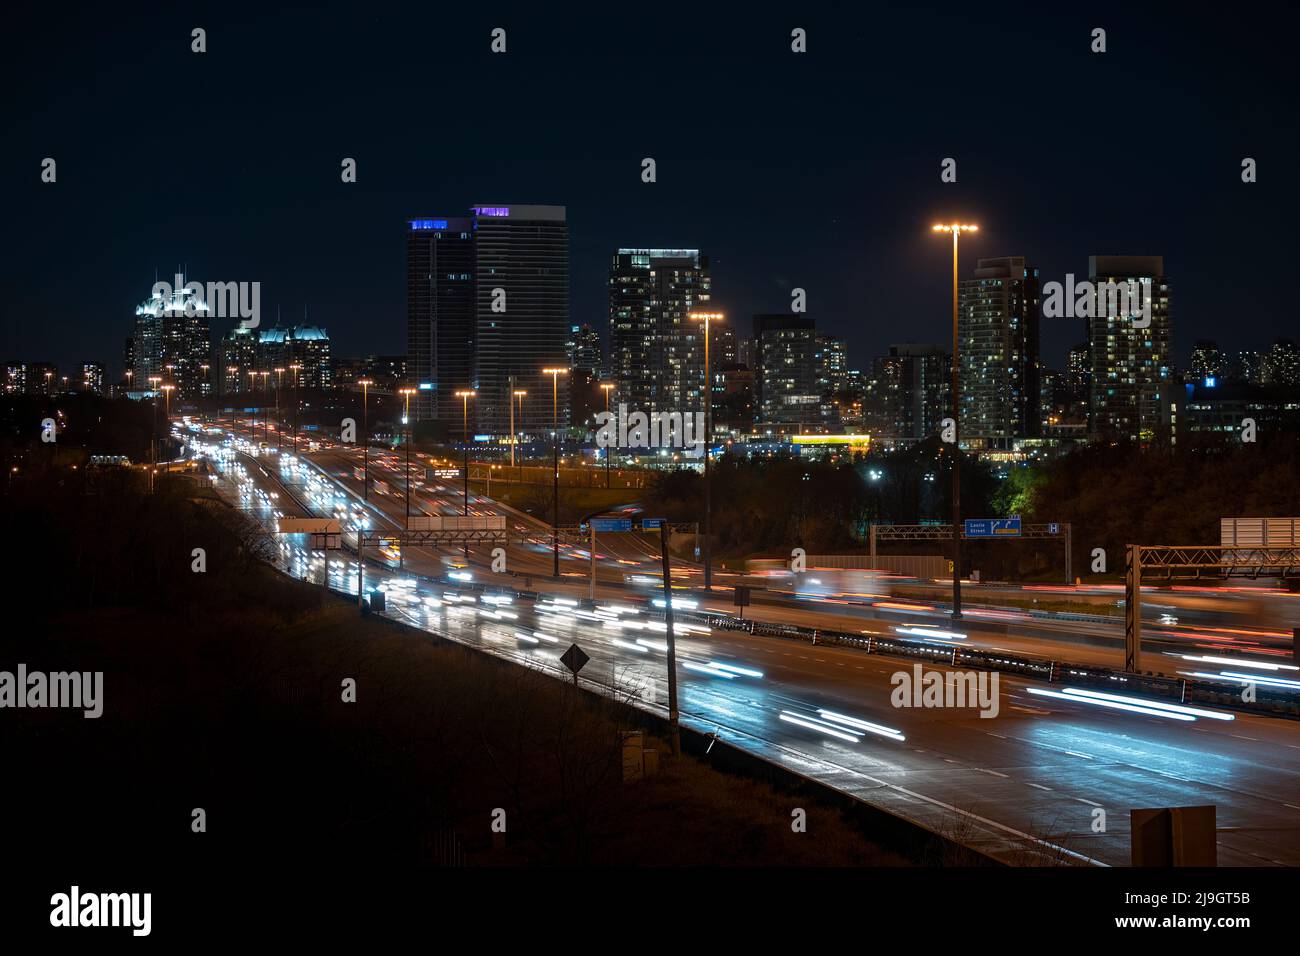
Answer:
(993, 772)
(1039, 786)
(1088, 802)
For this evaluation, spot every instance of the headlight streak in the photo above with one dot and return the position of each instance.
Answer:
(743, 671)
(857, 724)
(817, 725)
(931, 632)
(1244, 679)
(1110, 704)
(1154, 704)
(627, 645)
(706, 669)
(1238, 662)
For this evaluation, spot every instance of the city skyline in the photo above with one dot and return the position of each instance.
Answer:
(850, 229)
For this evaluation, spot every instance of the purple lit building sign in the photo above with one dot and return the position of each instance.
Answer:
(496, 212)
(428, 223)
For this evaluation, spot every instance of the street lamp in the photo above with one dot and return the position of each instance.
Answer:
(956, 229)
(465, 395)
(555, 374)
(167, 398)
(519, 393)
(707, 317)
(266, 419)
(365, 384)
(279, 425)
(607, 387)
(406, 420)
(296, 369)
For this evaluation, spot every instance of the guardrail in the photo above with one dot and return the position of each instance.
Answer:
(1229, 696)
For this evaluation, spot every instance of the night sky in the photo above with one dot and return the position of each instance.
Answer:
(818, 170)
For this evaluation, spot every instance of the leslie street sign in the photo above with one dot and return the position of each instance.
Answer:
(992, 527)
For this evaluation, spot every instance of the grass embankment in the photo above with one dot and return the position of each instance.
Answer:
(224, 691)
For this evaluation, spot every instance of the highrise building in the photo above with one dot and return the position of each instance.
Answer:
(998, 363)
(43, 378)
(1284, 364)
(1250, 367)
(1131, 365)
(15, 378)
(656, 349)
(172, 340)
(522, 320)
(440, 313)
(487, 309)
(305, 346)
(910, 397)
(834, 363)
(1207, 362)
(584, 349)
(237, 358)
(92, 377)
(787, 369)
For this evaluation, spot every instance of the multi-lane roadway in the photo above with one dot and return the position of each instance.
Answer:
(1045, 779)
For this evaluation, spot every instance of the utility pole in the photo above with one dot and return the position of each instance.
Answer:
(406, 415)
(673, 729)
(956, 229)
(555, 374)
(606, 387)
(365, 384)
(707, 317)
(465, 395)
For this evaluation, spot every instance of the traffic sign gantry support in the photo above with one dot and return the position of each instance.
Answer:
(1170, 562)
(984, 528)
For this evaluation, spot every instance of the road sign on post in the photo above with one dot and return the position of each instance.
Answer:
(741, 598)
(611, 524)
(651, 524)
(575, 659)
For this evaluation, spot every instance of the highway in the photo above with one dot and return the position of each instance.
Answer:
(1025, 785)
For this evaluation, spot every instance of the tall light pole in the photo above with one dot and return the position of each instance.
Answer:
(956, 229)
(296, 369)
(167, 411)
(406, 419)
(279, 422)
(365, 384)
(252, 391)
(555, 374)
(465, 395)
(266, 419)
(607, 387)
(707, 317)
(519, 394)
